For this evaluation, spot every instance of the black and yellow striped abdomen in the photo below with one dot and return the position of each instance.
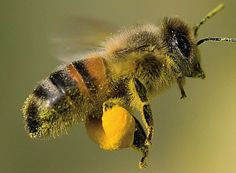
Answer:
(66, 97)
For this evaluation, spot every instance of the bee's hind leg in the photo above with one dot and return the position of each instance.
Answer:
(137, 135)
(109, 104)
(118, 124)
(144, 107)
(139, 143)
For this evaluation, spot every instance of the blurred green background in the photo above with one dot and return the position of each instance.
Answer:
(195, 135)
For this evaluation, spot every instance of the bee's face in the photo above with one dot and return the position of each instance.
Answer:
(181, 45)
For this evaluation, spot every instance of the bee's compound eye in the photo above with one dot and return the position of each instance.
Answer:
(183, 44)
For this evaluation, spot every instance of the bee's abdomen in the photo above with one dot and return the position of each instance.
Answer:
(92, 73)
(62, 98)
(53, 105)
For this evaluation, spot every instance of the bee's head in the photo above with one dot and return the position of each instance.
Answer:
(181, 43)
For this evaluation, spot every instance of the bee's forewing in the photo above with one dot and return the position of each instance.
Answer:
(79, 35)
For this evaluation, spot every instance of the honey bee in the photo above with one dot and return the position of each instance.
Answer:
(105, 87)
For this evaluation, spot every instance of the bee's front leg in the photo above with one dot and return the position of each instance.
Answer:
(180, 81)
(145, 109)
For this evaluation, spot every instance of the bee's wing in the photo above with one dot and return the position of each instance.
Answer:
(79, 35)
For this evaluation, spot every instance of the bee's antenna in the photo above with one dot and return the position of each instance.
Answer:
(208, 16)
(216, 39)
